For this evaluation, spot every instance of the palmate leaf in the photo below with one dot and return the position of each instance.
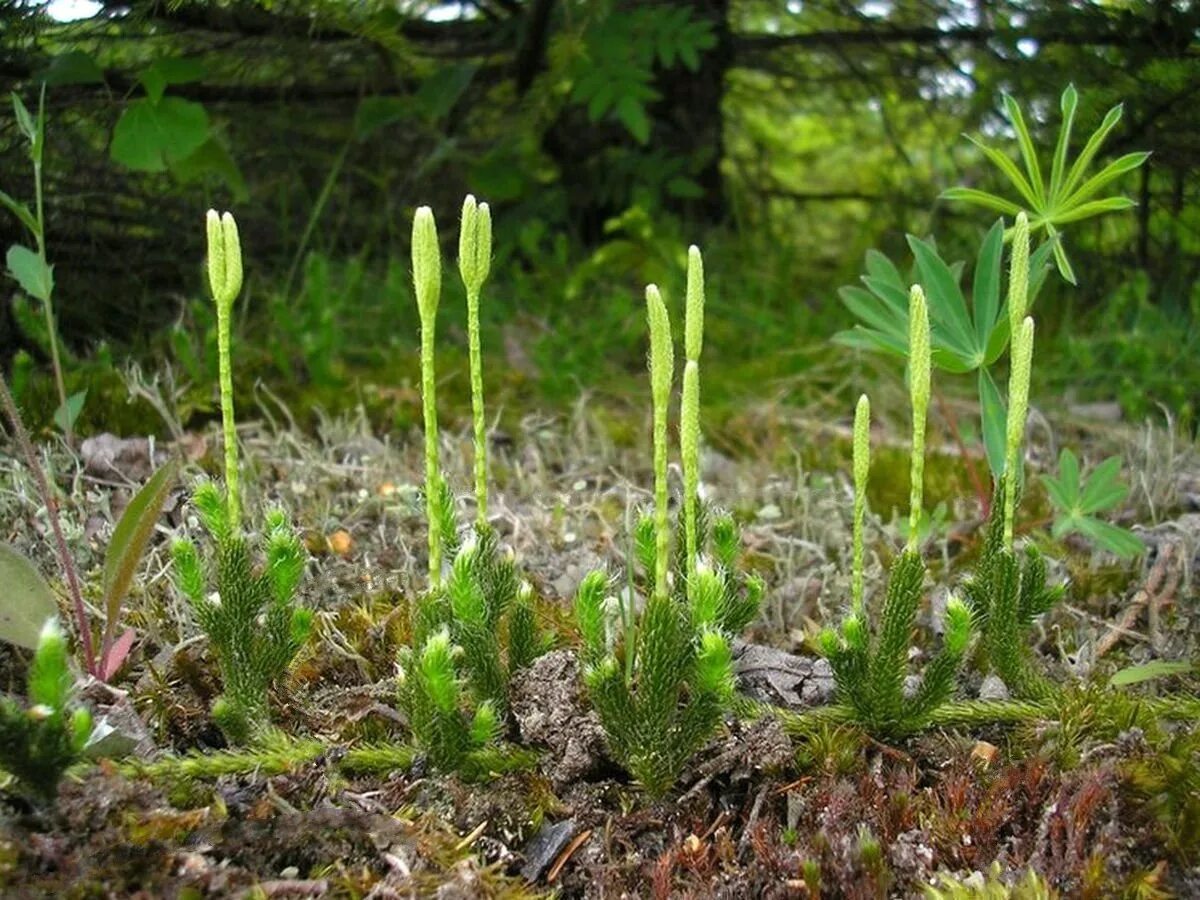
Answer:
(1066, 197)
(1077, 502)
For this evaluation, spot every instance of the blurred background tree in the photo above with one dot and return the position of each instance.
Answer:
(606, 134)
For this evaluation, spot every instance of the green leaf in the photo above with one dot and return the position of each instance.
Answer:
(374, 113)
(129, 541)
(880, 316)
(884, 270)
(1068, 473)
(440, 91)
(24, 119)
(1101, 179)
(211, 159)
(993, 421)
(1028, 151)
(172, 70)
(1103, 490)
(1116, 540)
(21, 211)
(1060, 255)
(28, 601)
(149, 135)
(72, 67)
(633, 116)
(981, 198)
(68, 412)
(985, 290)
(1094, 208)
(947, 305)
(1159, 668)
(31, 272)
(1010, 170)
(861, 338)
(1090, 149)
(1067, 104)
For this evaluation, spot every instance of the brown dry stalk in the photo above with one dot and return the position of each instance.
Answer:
(1158, 592)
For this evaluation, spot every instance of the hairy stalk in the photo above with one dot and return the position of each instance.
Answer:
(919, 375)
(474, 261)
(1019, 374)
(661, 370)
(1018, 409)
(689, 417)
(225, 280)
(427, 282)
(862, 468)
(60, 542)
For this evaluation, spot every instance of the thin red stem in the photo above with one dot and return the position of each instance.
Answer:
(64, 556)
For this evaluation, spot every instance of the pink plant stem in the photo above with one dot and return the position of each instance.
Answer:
(64, 556)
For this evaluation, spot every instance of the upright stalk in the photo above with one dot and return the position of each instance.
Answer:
(427, 282)
(689, 415)
(919, 364)
(662, 363)
(474, 261)
(862, 468)
(225, 280)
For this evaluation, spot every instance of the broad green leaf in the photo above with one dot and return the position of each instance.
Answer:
(862, 338)
(28, 601)
(946, 301)
(68, 413)
(1009, 168)
(985, 289)
(1103, 490)
(949, 360)
(981, 198)
(993, 421)
(885, 271)
(35, 276)
(866, 307)
(1090, 149)
(1116, 540)
(129, 540)
(895, 296)
(211, 159)
(172, 70)
(21, 211)
(1028, 151)
(1094, 208)
(1058, 493)
(1068, 475)
(72, 67)
(149, 135)
(1067, 104)
(1159, 668)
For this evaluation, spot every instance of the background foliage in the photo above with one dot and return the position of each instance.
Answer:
(606, 134)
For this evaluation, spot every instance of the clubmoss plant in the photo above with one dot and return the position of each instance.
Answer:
(662, 683)
(1005, 595)
(474, 261)
(253, 623)
(475, 625)
(870, 665)
(40, 741)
